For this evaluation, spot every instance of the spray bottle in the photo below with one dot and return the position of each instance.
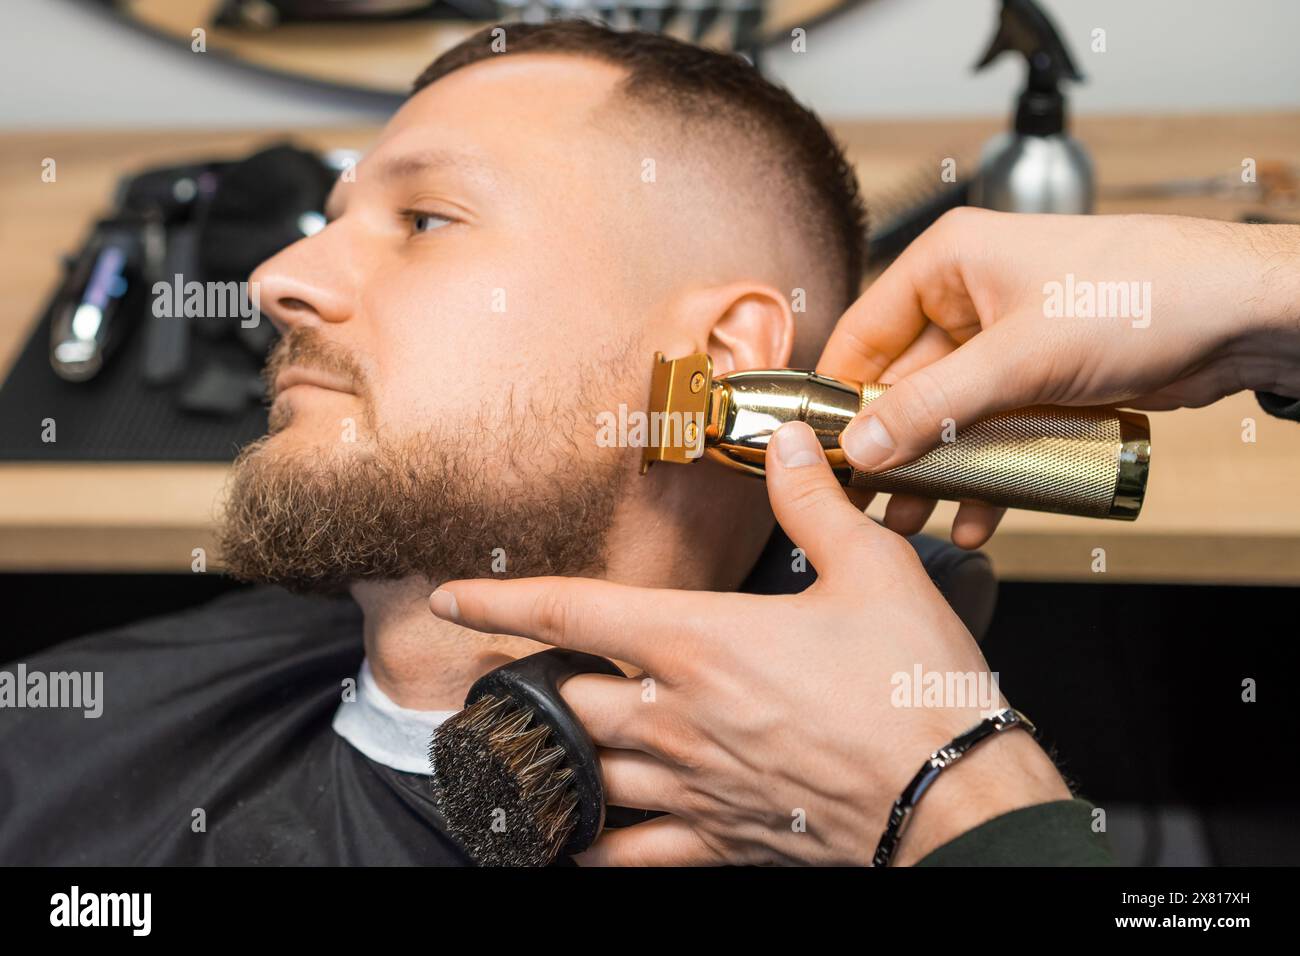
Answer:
(1038, 167)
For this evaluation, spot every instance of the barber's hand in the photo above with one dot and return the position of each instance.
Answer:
(756, 714)
(962, 326)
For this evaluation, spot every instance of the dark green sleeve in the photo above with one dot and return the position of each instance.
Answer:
(1050, 834)
(1279, 405)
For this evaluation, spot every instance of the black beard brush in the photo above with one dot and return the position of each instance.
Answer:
(515, 774)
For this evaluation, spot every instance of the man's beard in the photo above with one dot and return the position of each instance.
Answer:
(509, 493)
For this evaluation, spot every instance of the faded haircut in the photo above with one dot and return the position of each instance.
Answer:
(712, 87)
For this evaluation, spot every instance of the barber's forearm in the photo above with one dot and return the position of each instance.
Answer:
(1005, 773)
(1264, 329)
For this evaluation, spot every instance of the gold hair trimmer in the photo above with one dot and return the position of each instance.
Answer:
(1091, 462)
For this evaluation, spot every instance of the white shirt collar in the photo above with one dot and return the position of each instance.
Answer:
(388, 734)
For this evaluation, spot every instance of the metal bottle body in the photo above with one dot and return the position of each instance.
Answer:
(1045, 174)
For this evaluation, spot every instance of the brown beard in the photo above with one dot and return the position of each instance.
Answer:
(439, 504)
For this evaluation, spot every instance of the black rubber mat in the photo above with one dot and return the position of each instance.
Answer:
(116, 416)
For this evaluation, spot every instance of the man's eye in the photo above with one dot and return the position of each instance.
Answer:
(426, 221)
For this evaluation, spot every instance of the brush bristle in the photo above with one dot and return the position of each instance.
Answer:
(501, 785)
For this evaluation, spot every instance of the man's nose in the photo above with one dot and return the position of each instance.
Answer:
(299, 286)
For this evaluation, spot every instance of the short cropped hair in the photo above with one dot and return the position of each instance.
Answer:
(716, 87)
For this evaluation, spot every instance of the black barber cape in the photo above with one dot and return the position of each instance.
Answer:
(219, 716)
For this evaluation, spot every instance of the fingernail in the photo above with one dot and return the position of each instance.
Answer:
(866, 442)
(443, 604)
(796, 445)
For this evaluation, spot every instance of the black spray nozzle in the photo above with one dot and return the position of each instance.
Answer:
(1025, 28)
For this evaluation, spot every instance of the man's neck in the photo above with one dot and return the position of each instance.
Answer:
(661, 539)
(418, 660)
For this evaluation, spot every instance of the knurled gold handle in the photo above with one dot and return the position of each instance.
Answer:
(1091, 462)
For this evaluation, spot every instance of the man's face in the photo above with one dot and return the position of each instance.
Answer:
(481, 292)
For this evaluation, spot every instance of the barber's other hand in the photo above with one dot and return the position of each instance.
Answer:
(755, 713)
(963, 325)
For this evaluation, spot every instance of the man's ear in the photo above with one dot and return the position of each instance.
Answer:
(744, 325)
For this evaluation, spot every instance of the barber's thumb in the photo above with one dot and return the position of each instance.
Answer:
(807, 499)
(925, 408)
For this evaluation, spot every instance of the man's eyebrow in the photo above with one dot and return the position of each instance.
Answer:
(406, 165)
(410, 165)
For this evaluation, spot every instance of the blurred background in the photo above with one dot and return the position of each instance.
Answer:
(148, 138)
(866, 58)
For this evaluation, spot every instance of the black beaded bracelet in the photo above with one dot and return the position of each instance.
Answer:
(941, 759)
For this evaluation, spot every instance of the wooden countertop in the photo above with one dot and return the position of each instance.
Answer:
(1218, 510)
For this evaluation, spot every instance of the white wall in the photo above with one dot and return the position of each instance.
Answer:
(914, 57)
(62, 64)
(65, 64)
